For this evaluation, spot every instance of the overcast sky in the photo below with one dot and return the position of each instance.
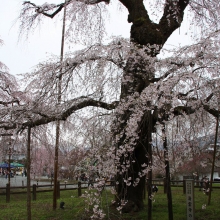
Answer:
(21, 55)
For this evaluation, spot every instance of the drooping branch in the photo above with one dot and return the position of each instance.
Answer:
(55, 9)
(211, 111)
(69, 108)
(35, 115)
(180, 110)
(9, 102)
(175, 66)
(162, 113)
(209, 97)
(189, 110)
(183, 96)
(7, 126)
(45, 8)
(165, 75)
(5, 134)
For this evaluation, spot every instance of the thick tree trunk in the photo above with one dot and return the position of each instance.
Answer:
(131, 194)
(137, 76)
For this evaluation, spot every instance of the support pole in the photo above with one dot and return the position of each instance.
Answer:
(213, 161)
(34, 192)
(28, 174)
(79, 189)
(58, 122)
(167, 169)
(7, 193)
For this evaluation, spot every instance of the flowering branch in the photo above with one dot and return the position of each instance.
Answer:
(69, 108)
(45, 8)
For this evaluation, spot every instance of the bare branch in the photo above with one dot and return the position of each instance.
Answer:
(9, 102)
(8, 126)
(211, 111)
(179, 110)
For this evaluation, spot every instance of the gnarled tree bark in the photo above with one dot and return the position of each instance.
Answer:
(144, 32)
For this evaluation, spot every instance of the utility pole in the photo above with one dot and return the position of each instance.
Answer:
(28, 173)
(213, 160)
(9, 164)
(167, 169)
(9, 174)
(58, 122)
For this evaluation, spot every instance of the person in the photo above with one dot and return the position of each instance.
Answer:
(6, 174)
(206, 185)
(112, 181)
(202, 182)
(51, 175)
(25, 173)
(83, 177)
(90, 182)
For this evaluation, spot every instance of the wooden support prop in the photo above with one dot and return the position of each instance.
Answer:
(34, 192)
(79, 189)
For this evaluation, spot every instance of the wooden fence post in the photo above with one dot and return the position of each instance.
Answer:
(165, 185)
(34, 192)
(184, 186)
(58, 189)
(207, 187)
(7, 192)
(145, 186)
(79, 189)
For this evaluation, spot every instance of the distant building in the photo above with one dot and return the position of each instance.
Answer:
(16, 157)
(17, 151)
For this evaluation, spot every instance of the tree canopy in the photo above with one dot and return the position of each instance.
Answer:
(127, 78)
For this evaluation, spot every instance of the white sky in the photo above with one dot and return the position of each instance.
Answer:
(22, 55)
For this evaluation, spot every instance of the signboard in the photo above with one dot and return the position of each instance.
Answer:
(190, 199)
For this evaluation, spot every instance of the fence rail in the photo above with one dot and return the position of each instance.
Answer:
(64, 186)
(182, 183)
(8, 190)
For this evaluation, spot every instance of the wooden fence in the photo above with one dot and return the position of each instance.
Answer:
(182, 183)
(8, 190)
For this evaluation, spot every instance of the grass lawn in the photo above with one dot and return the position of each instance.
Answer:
(42, 208)
(75, 207)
